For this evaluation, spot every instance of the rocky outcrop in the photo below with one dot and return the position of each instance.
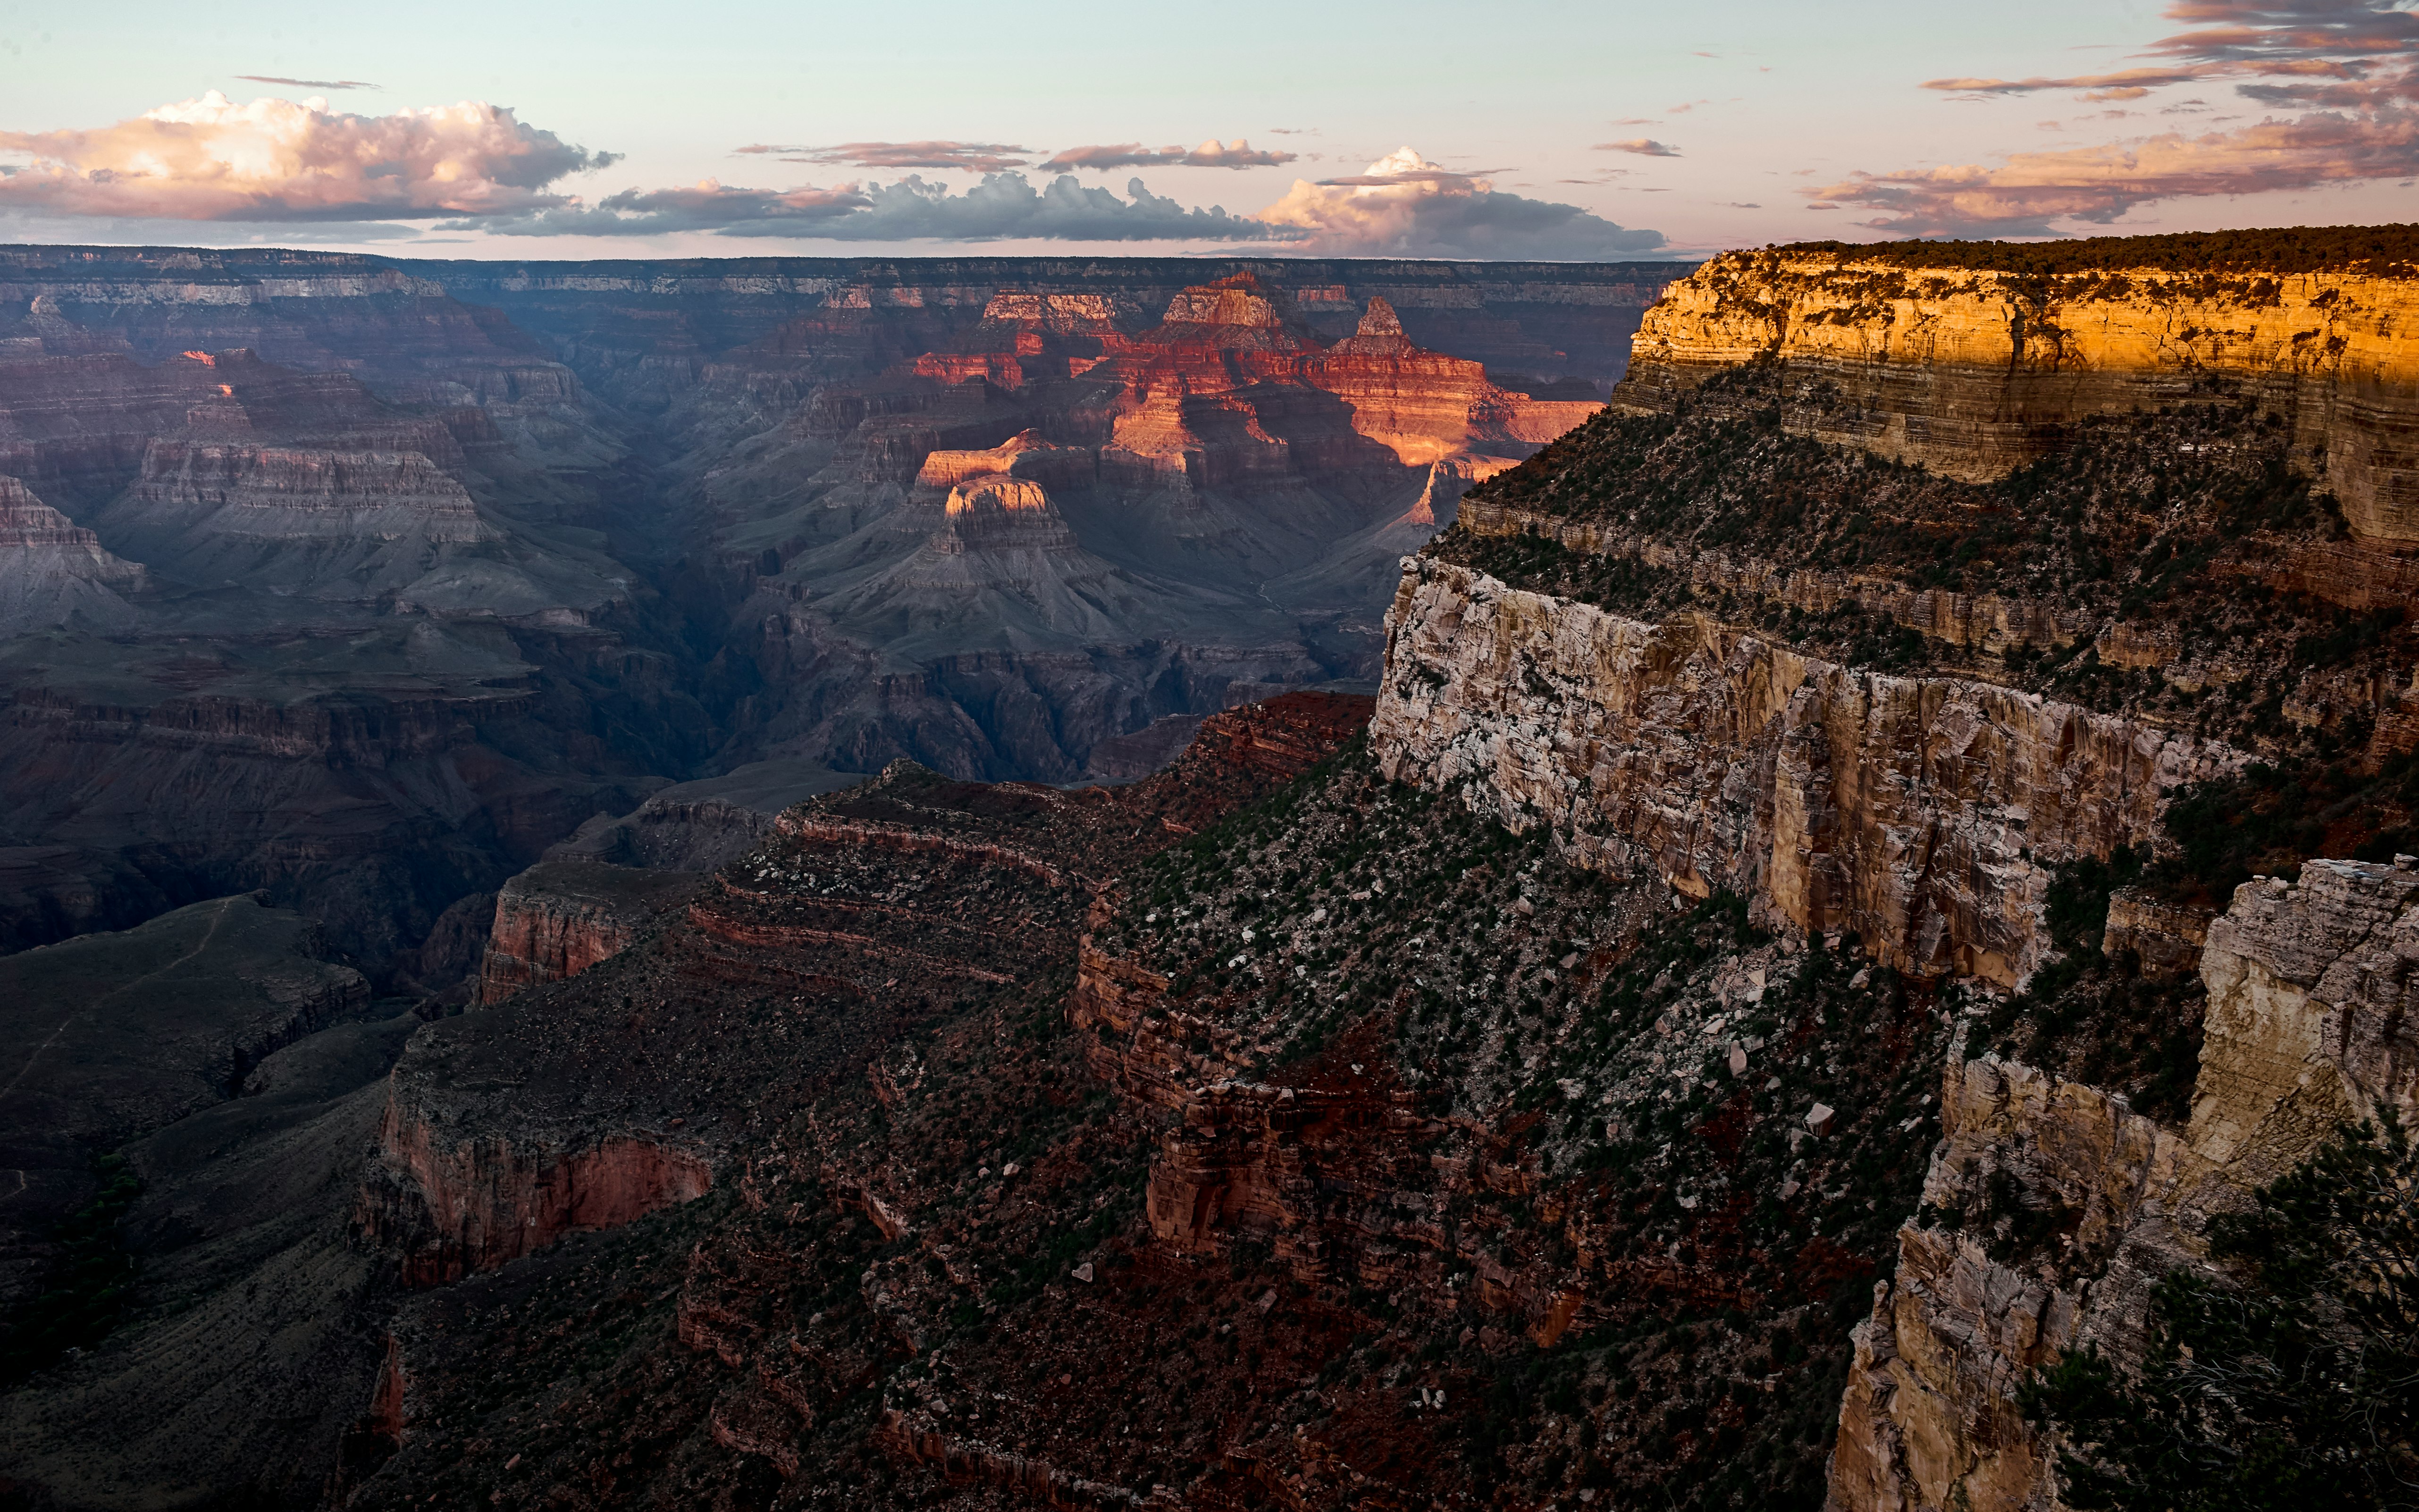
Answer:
(54, 574)
(2164, 936)
(592, 893)
(284, 493)
(2310, 1012)
(1990, 624)
(961, 1462)
(561, 917)
(2308, 1025)
(1972, 371)
(1930, 1418)
(1922, 813)
(453, 1205)
(1426, 406)
(569, 1104)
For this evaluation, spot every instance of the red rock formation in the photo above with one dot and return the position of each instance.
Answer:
(559, 918)
(483, 1201)
(1426, 406)
(578, 1128)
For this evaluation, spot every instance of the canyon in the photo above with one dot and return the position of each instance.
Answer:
(383, 577)
(1812, 886)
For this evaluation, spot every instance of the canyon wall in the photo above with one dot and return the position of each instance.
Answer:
(559, 918)
(649, 330)
(1972, 371)
(483, 1202)
(2309, 1024)
(1924, 815)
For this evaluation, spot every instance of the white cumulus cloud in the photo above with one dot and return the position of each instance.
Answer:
(281, 160)
(1405, 205)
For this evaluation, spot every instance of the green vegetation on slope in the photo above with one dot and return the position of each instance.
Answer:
(1725, 1250)
(2156, 536)
(2151, 530)
(2385, 251)
(2287, 1383)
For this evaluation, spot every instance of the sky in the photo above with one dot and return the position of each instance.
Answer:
(1522, 129)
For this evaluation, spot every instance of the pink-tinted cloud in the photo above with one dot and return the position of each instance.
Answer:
(2031, 190)
(2122, 79)
(1213, 153)
(2338, 54)
(1644, 147)
(973, 157)
(1406, 205)
(2354, 63)
(280, 159)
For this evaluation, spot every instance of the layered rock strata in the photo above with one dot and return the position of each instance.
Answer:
(592, 1099)
(55, 573)
(1972, 371)
(1924, 815)
(2309, 1025)
(559, 918)
(592, 893)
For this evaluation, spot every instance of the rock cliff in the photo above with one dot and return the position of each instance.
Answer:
(1806, 938)
(54, 574)
(1924, 814)
(593, 893)
(559, 918)
(1973, 371)
(2051, 1211)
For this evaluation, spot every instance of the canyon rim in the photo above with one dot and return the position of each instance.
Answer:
(1195, 882)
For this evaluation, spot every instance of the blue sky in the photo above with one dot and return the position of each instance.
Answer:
(1559, 130)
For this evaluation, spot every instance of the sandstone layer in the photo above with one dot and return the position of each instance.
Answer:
(1924, 814)
(2309, 1025)
(1972, 372)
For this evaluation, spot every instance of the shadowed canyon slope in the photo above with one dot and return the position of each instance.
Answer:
(1808, 932)
(364, 581)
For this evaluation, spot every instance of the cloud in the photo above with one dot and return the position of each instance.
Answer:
(1644, 147)
(307, 83)
(1405, 205)
(974, 156)
(2097, 184)
(1211, 154)
(1004, 206)
(277, 159)
(2138, 79)
(2352, 63)
(2340, 53)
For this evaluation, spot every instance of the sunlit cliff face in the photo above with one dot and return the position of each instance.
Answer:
(1007, 494)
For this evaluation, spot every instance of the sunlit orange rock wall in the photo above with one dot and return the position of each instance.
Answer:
(1969, 372)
